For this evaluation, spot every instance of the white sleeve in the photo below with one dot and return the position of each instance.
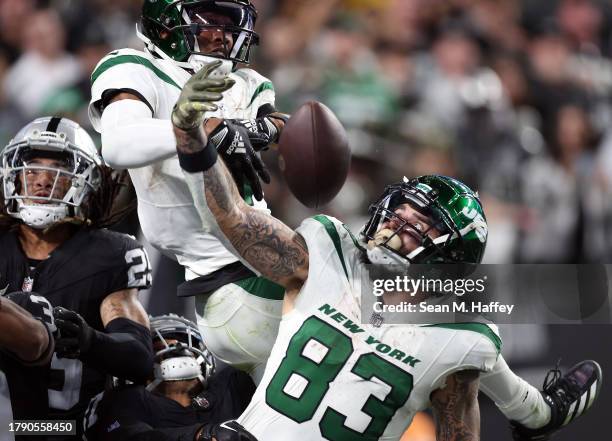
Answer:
(131, 138)
(129, 76)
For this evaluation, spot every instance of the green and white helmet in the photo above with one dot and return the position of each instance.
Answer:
(454, 209)
(170, 29)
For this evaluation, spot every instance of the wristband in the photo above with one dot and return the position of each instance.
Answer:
(198, 161)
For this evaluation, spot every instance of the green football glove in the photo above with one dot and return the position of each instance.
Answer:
(198, 96)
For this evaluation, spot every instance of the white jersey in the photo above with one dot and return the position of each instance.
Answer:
(166, 210)
(331, 377)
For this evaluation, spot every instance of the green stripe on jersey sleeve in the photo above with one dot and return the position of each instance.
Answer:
(262, 287)
(263, 86)
(354, 239)
(330, 228)
(131, 59)
(481, 328)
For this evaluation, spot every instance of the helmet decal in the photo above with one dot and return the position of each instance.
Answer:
(450, 207)
(478, 223)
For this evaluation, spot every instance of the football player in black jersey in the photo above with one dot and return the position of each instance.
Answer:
(184, 400)
(56, 195)
(26, 338)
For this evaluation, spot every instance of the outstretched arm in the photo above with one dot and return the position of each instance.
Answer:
(265, 243)
(23, 335)
(131, 136)
(456, 408)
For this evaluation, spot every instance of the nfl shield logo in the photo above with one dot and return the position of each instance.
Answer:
(28, 283)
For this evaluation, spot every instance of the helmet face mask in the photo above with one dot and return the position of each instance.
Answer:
(48, 175)
(452, 209)
(180, 352)
(174, 30)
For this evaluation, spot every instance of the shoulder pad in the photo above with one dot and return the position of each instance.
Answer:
(114, 55)
(251, 76)
(259, 89)
(330, 224)
(132, 256)
(118, 240)
(324, 234)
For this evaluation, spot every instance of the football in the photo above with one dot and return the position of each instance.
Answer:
(314, 154)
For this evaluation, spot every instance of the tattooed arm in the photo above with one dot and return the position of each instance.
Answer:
(456, 408)
(262, 241)
(123, 303)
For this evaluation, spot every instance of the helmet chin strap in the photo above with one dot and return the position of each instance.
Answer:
(176, 369)
(41, 216)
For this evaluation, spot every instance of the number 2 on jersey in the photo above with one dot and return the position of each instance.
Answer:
(315, 356)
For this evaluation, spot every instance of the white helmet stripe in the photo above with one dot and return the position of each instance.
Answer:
(238, 44)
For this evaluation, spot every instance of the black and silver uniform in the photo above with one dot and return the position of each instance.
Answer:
(135, 413)
(77, 275)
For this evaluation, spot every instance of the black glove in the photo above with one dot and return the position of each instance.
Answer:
(233, 144)
(36, 305)
(75, 335)
(227, 431)
(262, 131)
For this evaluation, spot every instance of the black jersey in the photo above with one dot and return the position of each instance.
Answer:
(77, 275)
(120, 415)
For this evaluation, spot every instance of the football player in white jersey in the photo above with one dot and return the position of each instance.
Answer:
(331, 377)
(133, 93)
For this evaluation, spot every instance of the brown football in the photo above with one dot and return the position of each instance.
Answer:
(314, 154)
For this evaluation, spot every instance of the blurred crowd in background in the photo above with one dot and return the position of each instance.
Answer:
(514, 97)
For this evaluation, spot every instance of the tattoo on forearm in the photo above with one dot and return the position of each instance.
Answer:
(258, 240)
(123, 304)
(112, 308)
(262, 240)
(457, 416)
(218, 186)
(191, 141)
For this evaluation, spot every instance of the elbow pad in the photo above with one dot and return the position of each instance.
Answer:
(132, 138)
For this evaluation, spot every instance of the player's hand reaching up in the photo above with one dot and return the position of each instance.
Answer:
(75, 335)
(198, 97)
(233, 144)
